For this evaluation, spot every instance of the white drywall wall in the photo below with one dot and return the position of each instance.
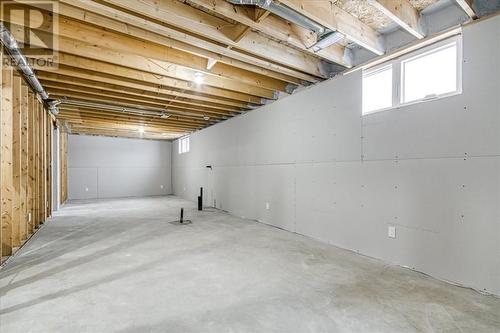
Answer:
(431, 169)
(105, 167)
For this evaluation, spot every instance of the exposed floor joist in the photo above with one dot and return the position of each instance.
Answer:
(402, 13)
(149, 54)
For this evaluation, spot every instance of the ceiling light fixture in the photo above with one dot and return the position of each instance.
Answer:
(141, 130)
(164, 115)
(206, 117)
(198, 77)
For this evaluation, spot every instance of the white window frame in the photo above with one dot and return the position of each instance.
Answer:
(398, 75)
(183, 149)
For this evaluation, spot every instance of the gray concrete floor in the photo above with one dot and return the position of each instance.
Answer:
(119, 266)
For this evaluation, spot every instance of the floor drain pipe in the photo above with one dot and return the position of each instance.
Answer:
(200, 199)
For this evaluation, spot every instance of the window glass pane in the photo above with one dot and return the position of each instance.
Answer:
(377, 89)
(430, 74)
(187, 144)
(180, 146)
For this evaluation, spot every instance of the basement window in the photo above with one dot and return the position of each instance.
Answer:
(430, 73)
(377, 89)
(184, 145)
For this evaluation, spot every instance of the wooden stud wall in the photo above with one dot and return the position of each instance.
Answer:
(63, 165)
(26, 167)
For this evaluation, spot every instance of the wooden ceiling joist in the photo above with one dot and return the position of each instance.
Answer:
(132, 68)
(466, 6)
(124, 103)
(57, 88)
(132, 116)
(120, 133)
(75, 121)
(174, 75)
(279, 29)
(184, 64)
(119, 127)
(402, 13)
(80, 117)
(199, 23)
(62, 80)
(109, 73)
(111, 19)
(329, 15)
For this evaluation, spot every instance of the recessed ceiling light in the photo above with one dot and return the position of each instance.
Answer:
(141, 130)
(206, 117)
(198, 77)
(164, 115)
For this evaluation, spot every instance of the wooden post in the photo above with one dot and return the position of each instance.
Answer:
(63, 164)
(31, 162)
(24, 162)
(17, 229)
(6, 163)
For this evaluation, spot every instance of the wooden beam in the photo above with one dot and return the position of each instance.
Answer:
(6, 162)
(63, 165)
(25, 193)
(124, 134)
(129, 126)
(466, 6)
(402, 13)
(176, 76)
(199, 23)
(124, 103)
(134, 95)
(121, 21)
(133, 88)
(31, 162)
(117, 130)
(84, 68)
(17, 219)
(118, 117)
(55, 89)
(276, 28)
(115, 117)
(182, 63)
(336, 19)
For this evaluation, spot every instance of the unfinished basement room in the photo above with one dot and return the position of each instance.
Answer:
(250, 166)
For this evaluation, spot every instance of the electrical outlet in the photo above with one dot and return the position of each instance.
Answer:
(161, 186)
(86, 189)
(391, 231)
(267, 205)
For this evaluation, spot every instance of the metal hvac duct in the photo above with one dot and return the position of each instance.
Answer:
(22, 63)
(326, 37)
(284, 12)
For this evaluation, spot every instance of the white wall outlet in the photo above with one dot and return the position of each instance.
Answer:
(86, 189)
(267, 205)
(391, 231)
